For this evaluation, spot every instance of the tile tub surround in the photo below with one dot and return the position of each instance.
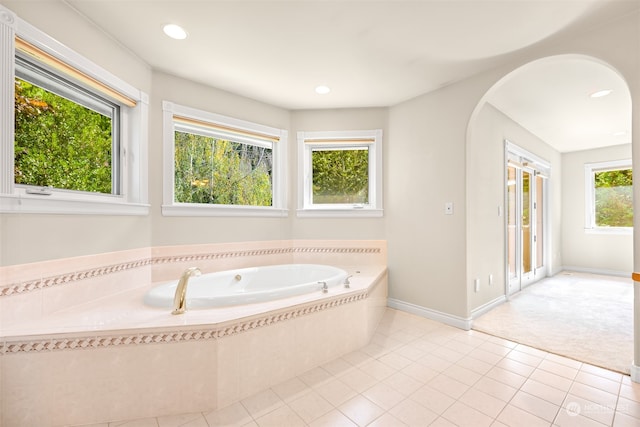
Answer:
(143, 361)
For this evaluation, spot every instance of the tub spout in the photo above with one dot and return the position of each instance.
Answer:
(180, 298)
(324, 288)
(347, 283)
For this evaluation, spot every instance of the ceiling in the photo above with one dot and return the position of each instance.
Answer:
(370, 53)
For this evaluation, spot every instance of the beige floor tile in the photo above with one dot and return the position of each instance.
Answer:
(629, 407)
(447, 354)
(146, 422)
(465, 416)
(564, 361)
(458, 346)
(334, 418)
(558, 369)
(594, 395)
(361, 410)
(495, 388)
(623, 420)
(630, 392)
(575, 405)
(387, 420)
(336, 392)
(596, 370)
(462, 374)
(383, 396)
(420, 372)
(395, 361)
(553, 380)
(448, 386)
(526, 358)
(434, 362)
(536, 406)
(315, 377)
(190, 420)
(378, 370)
(337, 367)
(284, 416)
(543, 391)
(310, 406)
(515, 417)
(262, 403)
(483, 402)
(357, 358)
(494, 348)
(486, 356)
(403, 383)
(475, 365)
(568, 419)
(234, 414)
(291, 389)
(432, 399)
(412, 413)
(515, 366)
(506, 377)
(411, 352)
(358, 380)
(598, 382)
(531, 350)
(442, 422)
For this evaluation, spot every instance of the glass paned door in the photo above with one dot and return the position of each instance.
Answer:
(525, 226)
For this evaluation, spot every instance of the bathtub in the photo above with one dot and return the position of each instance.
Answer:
(249, 285)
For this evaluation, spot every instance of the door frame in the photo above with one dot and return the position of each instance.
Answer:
(524, 160)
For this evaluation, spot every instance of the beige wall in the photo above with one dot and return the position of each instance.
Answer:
(582, 250)
(485, 198)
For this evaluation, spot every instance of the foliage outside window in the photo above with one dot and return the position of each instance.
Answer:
(340, 173)
(211, 170)
(218, 165)
(61, 141)
(610, 194)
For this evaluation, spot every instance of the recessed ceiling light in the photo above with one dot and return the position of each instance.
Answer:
(601, 93)
(175, 31)
(322, 90)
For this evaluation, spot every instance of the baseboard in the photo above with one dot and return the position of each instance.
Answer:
(635, 373)
(484, 308)
(596, 271)
(448, 319)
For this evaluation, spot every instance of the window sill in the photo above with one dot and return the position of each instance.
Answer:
(222, 210)
(22, 204)
(340, 213)
(610, 230)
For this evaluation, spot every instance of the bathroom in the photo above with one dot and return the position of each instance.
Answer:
(431, 257)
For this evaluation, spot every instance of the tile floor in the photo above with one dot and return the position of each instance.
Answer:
(417, 372)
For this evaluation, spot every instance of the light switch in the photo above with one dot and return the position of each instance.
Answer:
(448, 208)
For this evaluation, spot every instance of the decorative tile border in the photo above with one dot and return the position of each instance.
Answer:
(93, 342)
(19, 288)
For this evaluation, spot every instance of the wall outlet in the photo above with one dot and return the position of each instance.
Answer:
(476, 285)
(448, 208)
(490, 279)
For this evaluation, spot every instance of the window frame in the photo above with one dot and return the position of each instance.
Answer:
(308, 141)
(279, 155)
(590, 170)
(131, 197)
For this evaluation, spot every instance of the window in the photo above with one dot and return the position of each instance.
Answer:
(340, 173)
(217, 165)
(77, 136)
(609, 196)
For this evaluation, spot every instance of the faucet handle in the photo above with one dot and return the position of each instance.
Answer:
(324, 288)
(347, 283)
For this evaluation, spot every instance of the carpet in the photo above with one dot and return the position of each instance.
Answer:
(582, 316)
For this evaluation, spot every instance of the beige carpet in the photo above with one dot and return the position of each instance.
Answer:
(582, 316)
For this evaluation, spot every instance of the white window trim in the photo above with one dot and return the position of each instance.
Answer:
(306, 208)
(133, 199)
(171, 208)
(590, 207)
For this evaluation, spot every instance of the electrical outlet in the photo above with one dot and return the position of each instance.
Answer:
(476, 285)
(448, 208)
(490, 279)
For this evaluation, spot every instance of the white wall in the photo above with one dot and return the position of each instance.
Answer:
(589, 251)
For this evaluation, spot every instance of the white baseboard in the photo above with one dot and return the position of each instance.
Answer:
(596, 271)
(448, 319)
(484, 308)
(635, 373)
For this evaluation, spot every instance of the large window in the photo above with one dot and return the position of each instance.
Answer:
(340, 173)
(217, 165)
(609, 197)
(76, 135)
